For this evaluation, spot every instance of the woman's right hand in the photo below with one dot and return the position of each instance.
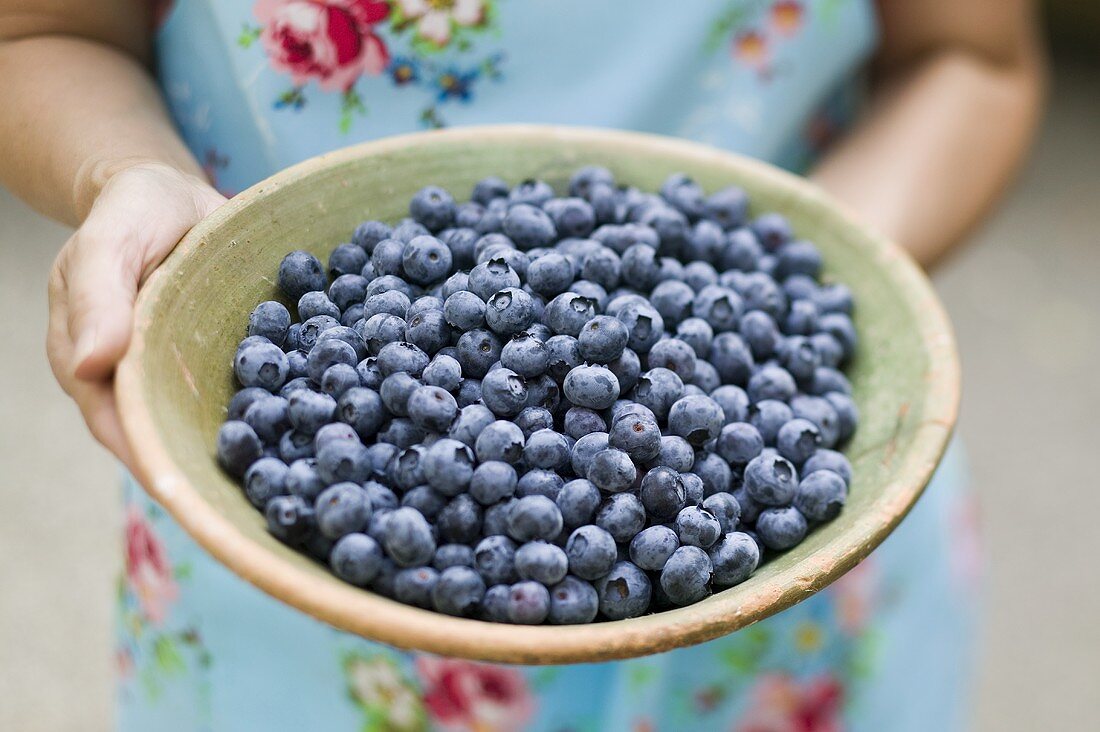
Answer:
(138, 217)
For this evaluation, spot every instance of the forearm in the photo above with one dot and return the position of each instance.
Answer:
(77, 110)
(937, 147)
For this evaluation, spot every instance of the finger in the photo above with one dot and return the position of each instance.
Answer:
(102, 281)
(97, 404)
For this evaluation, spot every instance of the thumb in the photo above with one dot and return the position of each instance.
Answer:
(102, 282)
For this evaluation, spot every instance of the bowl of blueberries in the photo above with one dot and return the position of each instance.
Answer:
(537, 394)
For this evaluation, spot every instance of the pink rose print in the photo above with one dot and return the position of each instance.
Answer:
(786, 17)
(435, 19)
(855, 596)
(462, 695)
(751, 48)
(147, 569)
(332, 41)
(782, 704)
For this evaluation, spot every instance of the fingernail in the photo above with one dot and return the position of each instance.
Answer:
(85, 345)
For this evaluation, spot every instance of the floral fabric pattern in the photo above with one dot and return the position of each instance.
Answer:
(338, 43)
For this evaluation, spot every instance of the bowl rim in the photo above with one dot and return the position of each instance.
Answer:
(378, 618)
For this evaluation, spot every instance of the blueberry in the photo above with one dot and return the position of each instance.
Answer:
(444, 372)
(464, 310)
(504, 392)
(432, 207)
(724, 507)
(383, 582)
(312, 329)
(369, 233)
(261, 364)
(828, 381)
(469, 393)
(685, 577)
(578, 500)
(489, 188)
(652, 547)
(333, 432)
(528, 226)
(734, 558)
(392, 302)
(627, 368)
(302, 479)
(567, 313)
(408, 537)
(658, 389)
(591, 552)
(546, 449)
(500, 440)
(312, 304)
(581, 421)
(357, 559)
(771, 382)
(771, 480)
(830, 460)
(428, 331)
(386, 256)
(413, 586)
(494, 604)
(469, 423)
(797, 440)
(550, 275)
(528, 603)
(572, 217)
(509, 311)
(644, 324)
(494, 558)
(612, 470)
(401, 432)
(539, 482)
(533, 419)
(636, 435)
(295, 445)
(268, 418)
(477, 351)
(543, 391)
(697, 526)
(244, 399)
(298, 383)
(492, 276)
(727, 207)
(739, 442)
(781, 528)
(338, 378)
(534, 517)
(768, 416)
(427, 501)
(460, 520)
(622, 515)
(640, 268)
(676, 453)
(432, 408)
(564, 355)
(526, 355)
(602, 339)
(698, 419)
(542, 562)
(624, 592)
(396, 390)
(603, 267)
(799, 356)
(662, 493)
(402, 357)
(594, 387)
(458, 591)
(573, 601)
(238, 447)
(585, 449)
(705, 380)
(343, 460)
(327, 353)
(821, 494)
(797, 258)
(264, 480)
(380, 455)
(801, 318)
(449, 466)
(694, 489)
(492, 481)
(342, 508)
(300, 272)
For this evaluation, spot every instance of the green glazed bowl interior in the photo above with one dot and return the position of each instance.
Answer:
(176, 380)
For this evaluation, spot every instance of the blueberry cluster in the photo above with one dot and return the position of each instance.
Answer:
(529, 408)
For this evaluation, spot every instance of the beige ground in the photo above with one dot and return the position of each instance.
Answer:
(1027, 307)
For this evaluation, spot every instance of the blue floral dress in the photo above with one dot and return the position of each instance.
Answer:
(256, 85)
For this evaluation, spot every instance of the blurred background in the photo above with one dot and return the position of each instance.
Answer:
(1025, 302)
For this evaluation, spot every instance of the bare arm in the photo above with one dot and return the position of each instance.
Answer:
(958, 90)
(86, 139)
(82, 104)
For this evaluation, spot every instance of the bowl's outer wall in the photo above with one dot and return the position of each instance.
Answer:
(177, 379)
